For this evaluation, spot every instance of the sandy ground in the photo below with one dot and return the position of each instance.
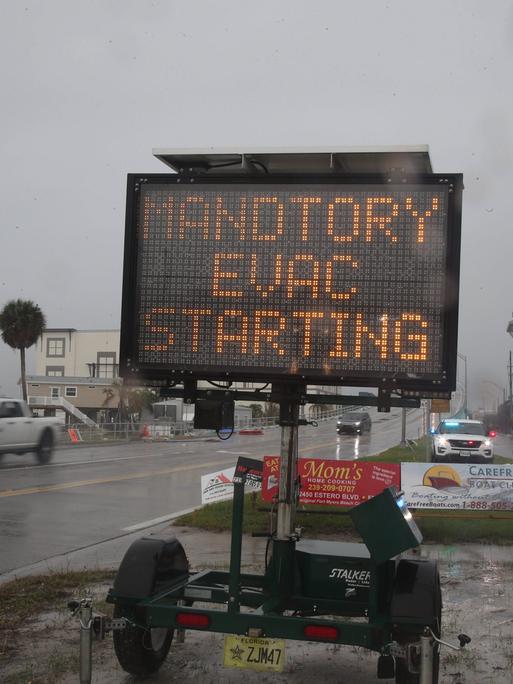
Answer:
(477, 585)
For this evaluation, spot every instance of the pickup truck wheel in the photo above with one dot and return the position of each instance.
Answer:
(45, 447)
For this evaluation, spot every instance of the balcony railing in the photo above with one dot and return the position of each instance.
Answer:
(103, 370)
(61, 403)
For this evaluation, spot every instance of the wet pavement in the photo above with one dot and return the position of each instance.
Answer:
(95, 493)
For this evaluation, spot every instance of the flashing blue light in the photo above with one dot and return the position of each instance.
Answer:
(401, 502)
(451, 423)
(433, 430)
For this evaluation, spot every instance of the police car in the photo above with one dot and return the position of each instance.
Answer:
(462, 441)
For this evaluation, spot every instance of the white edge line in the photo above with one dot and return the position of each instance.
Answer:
(156, 521)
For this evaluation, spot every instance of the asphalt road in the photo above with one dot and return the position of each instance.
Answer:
(89, 494)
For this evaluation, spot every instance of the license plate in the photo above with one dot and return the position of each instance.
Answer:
(465, 454)
(263, 655)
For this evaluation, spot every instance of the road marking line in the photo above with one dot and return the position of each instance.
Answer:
(107, 480)
(233, 453)
(91, 461)
(156, 521)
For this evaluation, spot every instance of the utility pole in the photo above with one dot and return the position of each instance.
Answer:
(510, 369)
(428, 429)
(465, 399)
(403, 427)
(509, 330)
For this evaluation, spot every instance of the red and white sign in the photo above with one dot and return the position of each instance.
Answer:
(336, 483)
(219, 486)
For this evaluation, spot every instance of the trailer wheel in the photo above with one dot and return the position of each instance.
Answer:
(402, 675)
(45, 447)
(141, 651)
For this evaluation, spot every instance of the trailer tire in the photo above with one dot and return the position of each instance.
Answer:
(141, 651)
(45, 448)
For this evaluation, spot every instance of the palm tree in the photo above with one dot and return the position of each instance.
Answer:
(129, 399)
(22, 322)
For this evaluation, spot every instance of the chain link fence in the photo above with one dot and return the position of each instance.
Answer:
(164, 430)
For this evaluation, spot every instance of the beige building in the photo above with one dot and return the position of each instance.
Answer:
(76, 372)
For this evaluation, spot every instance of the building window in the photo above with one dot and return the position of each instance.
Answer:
(55, 392)
(106, 365)
(71, 391)
(55, 371)
(55, 346)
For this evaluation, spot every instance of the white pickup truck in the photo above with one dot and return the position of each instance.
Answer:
(21, 432)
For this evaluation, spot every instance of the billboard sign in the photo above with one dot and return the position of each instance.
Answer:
(323, 279)
(469, 486)
(333, 482)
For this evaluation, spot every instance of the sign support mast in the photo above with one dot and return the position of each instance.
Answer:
(289, 485)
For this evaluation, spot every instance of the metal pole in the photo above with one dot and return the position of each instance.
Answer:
(466, 389)
(426, 660)
(510, 392)
(281, 570)
(465, 399)
(236, 547)
(86, 640)
(289, 400)
(403, 427)
(428, 431)
(286, 491)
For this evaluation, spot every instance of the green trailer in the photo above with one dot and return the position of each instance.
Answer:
(369, 594)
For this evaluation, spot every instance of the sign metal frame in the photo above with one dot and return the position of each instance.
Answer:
(163, 375)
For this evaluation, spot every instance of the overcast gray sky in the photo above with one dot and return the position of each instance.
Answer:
(89, 87)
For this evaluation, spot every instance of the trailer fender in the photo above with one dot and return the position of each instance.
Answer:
(150, 564)
(416, 593)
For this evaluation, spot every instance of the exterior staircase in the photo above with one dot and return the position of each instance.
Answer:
(61, 403)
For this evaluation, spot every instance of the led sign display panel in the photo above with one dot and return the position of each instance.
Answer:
(320, 280)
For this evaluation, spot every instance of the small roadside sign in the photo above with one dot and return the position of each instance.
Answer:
(440, 406)
(74, 435)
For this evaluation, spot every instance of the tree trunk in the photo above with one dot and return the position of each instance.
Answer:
(23, 381)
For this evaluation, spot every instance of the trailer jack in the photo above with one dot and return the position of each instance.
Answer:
(97, 626)
(418, 656)
(92, 625)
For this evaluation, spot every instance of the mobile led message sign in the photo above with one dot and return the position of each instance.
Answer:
(330, 280)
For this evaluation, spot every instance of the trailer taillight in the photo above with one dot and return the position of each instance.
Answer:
(192, 619)
(321, 632)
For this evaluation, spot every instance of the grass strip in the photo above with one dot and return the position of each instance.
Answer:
(445, 527)
(28, 596)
